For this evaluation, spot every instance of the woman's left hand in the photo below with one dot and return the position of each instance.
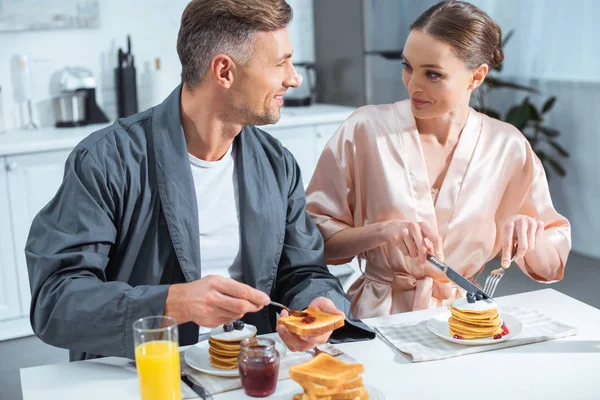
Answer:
(521, 231)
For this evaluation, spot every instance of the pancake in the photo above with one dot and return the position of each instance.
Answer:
(222, 353)
(224, 347)
(474, 320)
(224, 364)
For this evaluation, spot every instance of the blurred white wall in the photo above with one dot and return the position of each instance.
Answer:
(302, 31)
(554, 39)
(153, 25)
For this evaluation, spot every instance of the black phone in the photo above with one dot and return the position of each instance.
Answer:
(199, 390)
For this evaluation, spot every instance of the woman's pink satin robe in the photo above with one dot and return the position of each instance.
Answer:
(373, 170)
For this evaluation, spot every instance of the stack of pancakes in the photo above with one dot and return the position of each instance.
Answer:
(474, 320)
(224, 347)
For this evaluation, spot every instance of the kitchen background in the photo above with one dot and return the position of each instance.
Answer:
(354, 45)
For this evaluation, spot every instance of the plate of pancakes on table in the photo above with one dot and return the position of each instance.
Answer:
(219, 354)
(473, 320)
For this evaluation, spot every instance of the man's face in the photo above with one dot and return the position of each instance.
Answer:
(258, 87)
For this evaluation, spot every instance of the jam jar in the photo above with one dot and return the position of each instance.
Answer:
(258, 363)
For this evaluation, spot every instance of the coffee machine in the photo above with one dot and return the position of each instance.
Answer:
(76, 103)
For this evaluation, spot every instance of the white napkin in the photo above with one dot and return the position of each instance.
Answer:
(417, 343)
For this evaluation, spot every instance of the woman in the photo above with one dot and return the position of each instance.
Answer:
(431, 174)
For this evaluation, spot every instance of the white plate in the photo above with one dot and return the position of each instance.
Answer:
(198, 358)
(374, 393)
(439, 326)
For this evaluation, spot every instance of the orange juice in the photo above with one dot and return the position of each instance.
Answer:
(158, 370)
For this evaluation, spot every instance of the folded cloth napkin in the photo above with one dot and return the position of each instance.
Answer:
(219, 384)
(417, 343)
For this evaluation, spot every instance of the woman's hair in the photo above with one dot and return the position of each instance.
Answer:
(211, 27)
(474, 36)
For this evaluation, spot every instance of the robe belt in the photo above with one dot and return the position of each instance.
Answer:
(425, 288)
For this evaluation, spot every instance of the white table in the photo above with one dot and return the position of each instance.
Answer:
(568, 368)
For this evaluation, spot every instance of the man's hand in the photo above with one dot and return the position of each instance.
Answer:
(303, 343)
(213, 301)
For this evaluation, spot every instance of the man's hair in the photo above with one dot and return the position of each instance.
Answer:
(211, 27)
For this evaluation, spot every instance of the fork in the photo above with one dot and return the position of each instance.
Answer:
(294, 313)
(491, 283)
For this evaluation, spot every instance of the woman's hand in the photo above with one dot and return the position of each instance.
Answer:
(414, 239)
(521, 231)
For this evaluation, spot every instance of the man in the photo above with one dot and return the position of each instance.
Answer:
(186, 209)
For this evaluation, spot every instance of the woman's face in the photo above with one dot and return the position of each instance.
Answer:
(438, 82)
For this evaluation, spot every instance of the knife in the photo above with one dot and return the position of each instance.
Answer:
(196, 388)
(199, 390)
(456, 277)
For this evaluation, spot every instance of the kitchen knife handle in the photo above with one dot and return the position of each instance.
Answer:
(431, 258)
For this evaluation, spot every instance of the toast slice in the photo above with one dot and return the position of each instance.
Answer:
(320, 390)
(318, 322)
(306, 396)
(325, 370)
(355, 394)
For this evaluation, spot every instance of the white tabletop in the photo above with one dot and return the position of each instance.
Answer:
(558, 369)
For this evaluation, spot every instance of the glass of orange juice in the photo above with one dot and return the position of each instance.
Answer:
(157, 358)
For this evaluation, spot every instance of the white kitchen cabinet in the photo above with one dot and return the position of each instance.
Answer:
(33, 180)
(9, 294)
(302, 144)
(306, 143)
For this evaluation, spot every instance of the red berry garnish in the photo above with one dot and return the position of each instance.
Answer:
(458, 337)
(455, 336)
(498, 336)
(504, 333)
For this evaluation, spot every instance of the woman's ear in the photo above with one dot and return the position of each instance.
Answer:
(478, 76)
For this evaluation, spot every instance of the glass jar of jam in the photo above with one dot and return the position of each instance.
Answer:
(258, 363)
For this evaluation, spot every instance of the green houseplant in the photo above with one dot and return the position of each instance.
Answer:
(528, 119)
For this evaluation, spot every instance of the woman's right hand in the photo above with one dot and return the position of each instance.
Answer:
(414, 239)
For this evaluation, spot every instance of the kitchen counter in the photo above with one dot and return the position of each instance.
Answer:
(50, 138)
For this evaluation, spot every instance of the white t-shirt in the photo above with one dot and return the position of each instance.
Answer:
(218, 216)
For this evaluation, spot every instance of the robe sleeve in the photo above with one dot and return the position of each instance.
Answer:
(537, 203)
(330, 194)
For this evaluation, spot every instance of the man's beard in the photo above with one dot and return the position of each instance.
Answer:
(243, 115)
(251, 117)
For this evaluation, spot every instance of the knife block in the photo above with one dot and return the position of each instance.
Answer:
(126, 88)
